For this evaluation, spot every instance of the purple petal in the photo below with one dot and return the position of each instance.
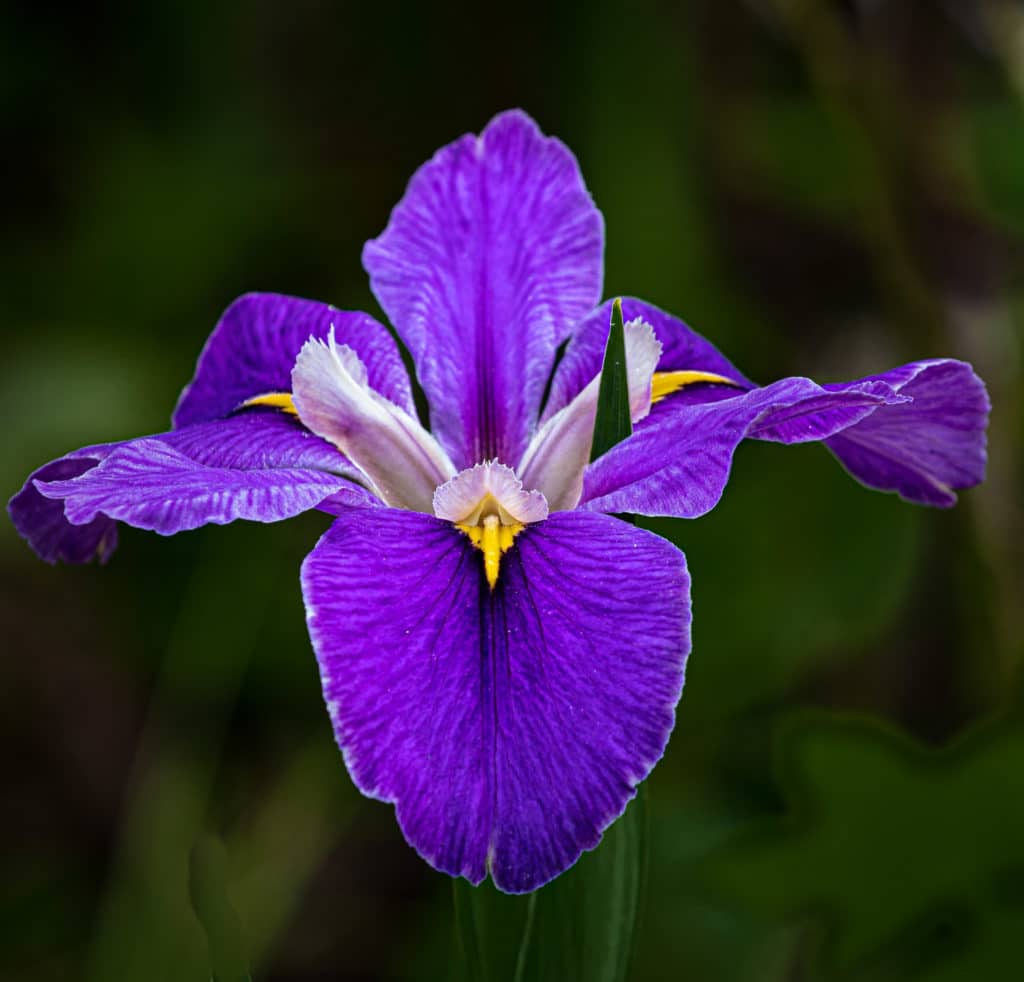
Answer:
(682, 349)
(257, 439)
(150, 485)
(927, 448)
(41, 522)
(260, 464)
(508, 728)
(677, 461)
(253, 348)
(489, 260)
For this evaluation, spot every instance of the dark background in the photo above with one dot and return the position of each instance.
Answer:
(821, 188)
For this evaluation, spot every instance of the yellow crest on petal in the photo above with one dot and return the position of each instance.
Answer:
(493, 539)
(665, 383)
(276, 400)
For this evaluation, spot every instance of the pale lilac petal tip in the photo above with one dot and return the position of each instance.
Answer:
(335, 400)
(489, 484)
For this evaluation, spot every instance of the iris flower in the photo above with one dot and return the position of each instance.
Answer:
(501, 657)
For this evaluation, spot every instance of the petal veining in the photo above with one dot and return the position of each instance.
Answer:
(150, 485)
(333, 398)
(677, 462)
(928, 446)
(239, 467)
(487, 263)
(253, 348)
(509, 727)
(559, 452)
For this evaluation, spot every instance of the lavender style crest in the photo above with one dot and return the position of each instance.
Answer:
(501, 658)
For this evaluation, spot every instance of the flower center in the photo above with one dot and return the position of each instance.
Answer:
(488, 504)
(493, 539)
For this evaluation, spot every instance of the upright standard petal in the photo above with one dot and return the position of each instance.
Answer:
(509, 727)
(489, 260)
(925, 449)
(677, 461)
(682, 349)
(260, 465)
(254, 345)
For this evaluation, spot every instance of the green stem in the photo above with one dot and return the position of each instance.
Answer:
(524, 945)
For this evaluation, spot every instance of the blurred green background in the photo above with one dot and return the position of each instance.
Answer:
(821, 188)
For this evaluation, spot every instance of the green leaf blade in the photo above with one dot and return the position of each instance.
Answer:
(580, 926)
(612, 423)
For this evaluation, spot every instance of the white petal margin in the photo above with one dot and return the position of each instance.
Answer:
(331, 394)
(560, 451)
(488, 488)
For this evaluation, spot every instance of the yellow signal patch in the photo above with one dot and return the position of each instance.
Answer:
(665, 383)
(493, 539)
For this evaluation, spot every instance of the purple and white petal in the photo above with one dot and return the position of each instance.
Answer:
(558, 453)
(683, 349)
(253, 348)
(509, 727)
(333, 397)
(486, 487)
(925, 449)
(487, 263)
(677, 461)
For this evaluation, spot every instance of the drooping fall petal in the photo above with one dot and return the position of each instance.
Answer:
(511, 726)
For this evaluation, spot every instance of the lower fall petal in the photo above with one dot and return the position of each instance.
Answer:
(509, 727)
(259, 465)
(677, 462)
(927, 449)
(41, 521)
(150, 485)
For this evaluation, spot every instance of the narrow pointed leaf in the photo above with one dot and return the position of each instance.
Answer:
(466, 902)
(612, 424)
(580, 926)
(585, 922)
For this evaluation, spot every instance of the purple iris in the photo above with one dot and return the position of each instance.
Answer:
(500, 656)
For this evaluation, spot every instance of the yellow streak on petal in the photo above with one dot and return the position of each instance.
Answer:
(493, 539)
(276, 400)
(665, 383)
